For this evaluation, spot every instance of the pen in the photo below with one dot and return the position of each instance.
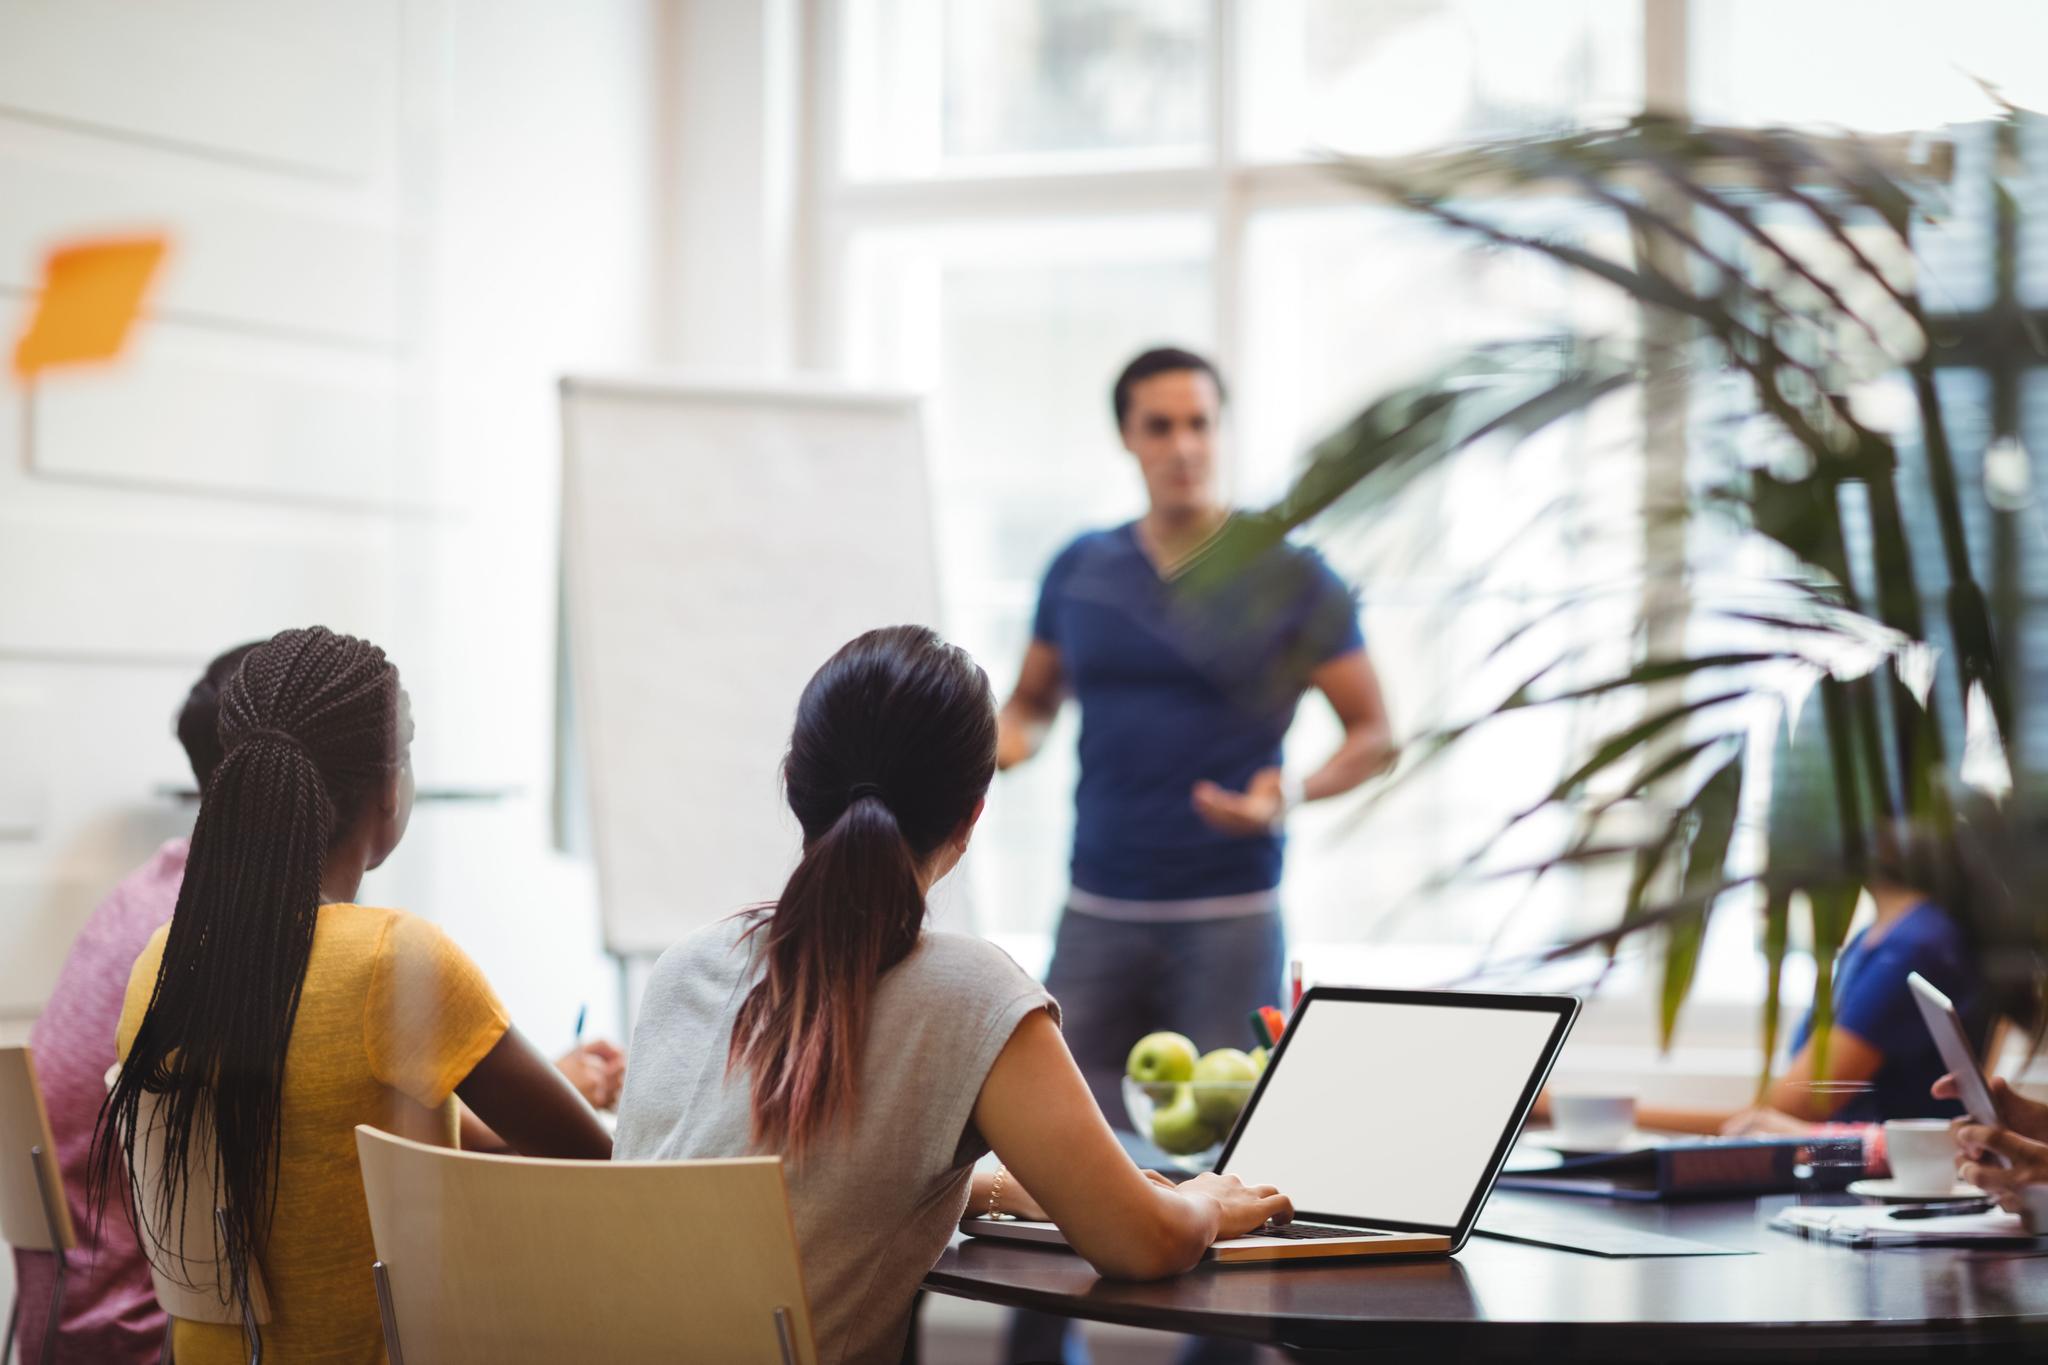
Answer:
(1294, 978)
(1960, 1206)
(582, 1010)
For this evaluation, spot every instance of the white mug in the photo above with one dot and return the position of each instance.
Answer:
(1592, 1120)
(2034, 1208)
(1922, 1155)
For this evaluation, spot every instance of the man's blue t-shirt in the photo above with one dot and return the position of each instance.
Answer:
(1873, 1001)
(1175, 687)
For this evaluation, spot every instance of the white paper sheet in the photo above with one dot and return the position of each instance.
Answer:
(720, 542)
(1874, 1226)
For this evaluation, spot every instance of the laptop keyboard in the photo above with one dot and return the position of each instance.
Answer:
(1309, 1232)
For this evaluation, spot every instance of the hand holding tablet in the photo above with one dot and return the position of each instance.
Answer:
(1949, 1036)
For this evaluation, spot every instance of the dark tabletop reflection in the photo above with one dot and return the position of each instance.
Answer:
(1502, 1296)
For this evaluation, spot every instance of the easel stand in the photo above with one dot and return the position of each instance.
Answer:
(49, 1197)
(633, 966)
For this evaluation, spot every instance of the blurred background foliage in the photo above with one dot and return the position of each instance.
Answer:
(1822, 686)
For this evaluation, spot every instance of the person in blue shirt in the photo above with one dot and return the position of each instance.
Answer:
(1921, 897)
(1173, 918)
(1879, 1036)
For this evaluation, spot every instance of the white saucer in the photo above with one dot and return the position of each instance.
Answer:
(1892, 1192)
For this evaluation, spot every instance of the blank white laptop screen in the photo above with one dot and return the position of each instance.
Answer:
(1389, 1111)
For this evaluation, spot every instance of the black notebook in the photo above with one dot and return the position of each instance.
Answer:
(1695, 1168)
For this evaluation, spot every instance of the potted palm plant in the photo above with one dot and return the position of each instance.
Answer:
(1832, 618)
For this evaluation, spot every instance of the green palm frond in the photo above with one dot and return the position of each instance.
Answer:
(1706, 211)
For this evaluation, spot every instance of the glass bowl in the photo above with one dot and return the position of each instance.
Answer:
(1192, 1118)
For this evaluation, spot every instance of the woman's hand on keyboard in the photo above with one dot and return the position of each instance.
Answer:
(1241, 1207)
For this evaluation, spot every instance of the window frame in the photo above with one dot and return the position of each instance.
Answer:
(1227, 189)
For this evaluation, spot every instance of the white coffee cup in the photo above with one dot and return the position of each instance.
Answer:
(1590, 1120)
(1922, 1156)
(2034, 1208)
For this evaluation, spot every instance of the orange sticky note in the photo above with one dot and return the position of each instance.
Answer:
(92, 292)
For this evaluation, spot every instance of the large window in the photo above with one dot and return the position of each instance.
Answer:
(1410, 75)
(1016, 195)
(940, 88)
(1013, 327)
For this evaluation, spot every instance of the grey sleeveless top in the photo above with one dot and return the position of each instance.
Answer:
(876, 1200)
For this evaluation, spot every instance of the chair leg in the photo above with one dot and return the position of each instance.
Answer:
(54, 1324)
(785, 1336)
(386, 1310)
(165, 1356)
(913, 1345)
(49, 1328)
(56, 1320)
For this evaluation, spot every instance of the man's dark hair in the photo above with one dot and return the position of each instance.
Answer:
(199, 718)
(1159, 360)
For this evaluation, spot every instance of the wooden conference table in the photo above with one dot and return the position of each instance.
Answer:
(1500, 1299)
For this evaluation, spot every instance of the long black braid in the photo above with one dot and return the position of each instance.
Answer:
(309, 731)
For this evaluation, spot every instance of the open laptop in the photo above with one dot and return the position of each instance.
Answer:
(1385, 1116)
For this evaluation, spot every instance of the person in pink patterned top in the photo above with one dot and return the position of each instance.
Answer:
(110, 1314)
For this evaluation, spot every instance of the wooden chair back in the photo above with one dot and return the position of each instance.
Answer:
(493, 1258)
(34, 1214)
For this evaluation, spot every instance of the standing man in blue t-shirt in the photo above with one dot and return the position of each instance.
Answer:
(1173, 919)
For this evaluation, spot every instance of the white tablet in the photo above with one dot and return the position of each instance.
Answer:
(1949, 1036)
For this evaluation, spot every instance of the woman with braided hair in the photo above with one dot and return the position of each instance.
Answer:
(273, 1014)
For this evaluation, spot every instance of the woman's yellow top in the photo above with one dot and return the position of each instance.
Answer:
(391, 1019)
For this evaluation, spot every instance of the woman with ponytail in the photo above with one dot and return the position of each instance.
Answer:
(273, 1014)
(881, 1059)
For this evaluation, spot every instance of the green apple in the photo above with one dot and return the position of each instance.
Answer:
(1259, 1059)
(1162, 1057)
(1178, 1128)
(1223, 1082)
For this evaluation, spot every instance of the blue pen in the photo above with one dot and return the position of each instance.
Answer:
(581, 1011)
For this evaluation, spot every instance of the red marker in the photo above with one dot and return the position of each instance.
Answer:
(1276, 1022)
(1294, 978)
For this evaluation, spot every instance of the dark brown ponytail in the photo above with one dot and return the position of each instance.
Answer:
(895, 743)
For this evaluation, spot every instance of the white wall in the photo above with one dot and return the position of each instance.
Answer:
(395, 221)
(732, 148)
(545, 235)
(154, 513)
